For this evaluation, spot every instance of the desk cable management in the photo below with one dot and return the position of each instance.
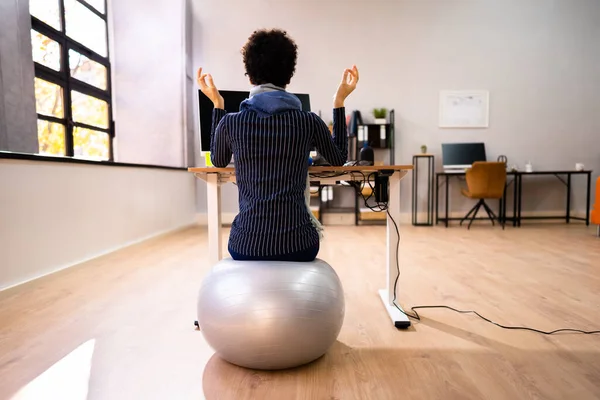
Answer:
(380, 207)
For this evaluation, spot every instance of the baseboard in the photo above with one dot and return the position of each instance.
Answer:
(461, 214)
(406, 218)
(226, 218)
(100, 254)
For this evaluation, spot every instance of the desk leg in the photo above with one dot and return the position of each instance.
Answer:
(215, 240)
(387, 295)
(520, 200)
(502, 206)
(568, 198)
(430, 173)
(587, 204)
(437, 199)
(515, 192)
(447, 197)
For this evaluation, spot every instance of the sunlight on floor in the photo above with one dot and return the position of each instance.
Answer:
(68, 379)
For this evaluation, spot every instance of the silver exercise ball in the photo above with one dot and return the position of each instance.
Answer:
(271, 314)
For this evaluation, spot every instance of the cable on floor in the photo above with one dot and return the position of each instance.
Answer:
(384, 207)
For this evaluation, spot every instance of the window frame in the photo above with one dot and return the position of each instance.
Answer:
(63, 77)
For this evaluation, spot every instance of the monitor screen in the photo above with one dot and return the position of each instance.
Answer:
(462, 155)
(233, 99)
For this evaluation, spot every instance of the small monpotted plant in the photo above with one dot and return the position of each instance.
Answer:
(423, 149)
(379, 114)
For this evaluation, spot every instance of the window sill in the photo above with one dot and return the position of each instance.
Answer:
(69, 160)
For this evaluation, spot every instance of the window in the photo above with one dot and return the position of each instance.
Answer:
(72, 78)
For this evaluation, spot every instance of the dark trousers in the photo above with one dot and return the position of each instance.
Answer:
(306, 255)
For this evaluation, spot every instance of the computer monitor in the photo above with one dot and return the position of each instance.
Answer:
(462, 155)
(233, 99)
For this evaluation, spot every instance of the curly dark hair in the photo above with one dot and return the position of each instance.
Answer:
(270, 57)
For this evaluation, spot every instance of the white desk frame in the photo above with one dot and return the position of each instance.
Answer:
(215, 177)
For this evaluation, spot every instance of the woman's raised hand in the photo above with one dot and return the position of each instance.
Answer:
(347, 86)
(207, 86)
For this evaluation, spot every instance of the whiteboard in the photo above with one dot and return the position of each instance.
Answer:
(464, 109)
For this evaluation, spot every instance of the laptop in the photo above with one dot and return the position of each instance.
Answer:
(458, 157)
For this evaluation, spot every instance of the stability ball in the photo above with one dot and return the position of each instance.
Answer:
(271, 314)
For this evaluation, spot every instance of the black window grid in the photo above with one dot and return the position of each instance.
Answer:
(63, 77)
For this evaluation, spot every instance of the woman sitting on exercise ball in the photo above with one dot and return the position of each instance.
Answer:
(271, 138)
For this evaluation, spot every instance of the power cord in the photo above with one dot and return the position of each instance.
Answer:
(415, 315)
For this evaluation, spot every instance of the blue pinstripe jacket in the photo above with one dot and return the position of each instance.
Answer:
(271, 139)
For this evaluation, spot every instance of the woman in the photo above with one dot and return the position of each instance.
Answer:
(270, 139)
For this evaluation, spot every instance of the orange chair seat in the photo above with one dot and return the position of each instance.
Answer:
(466, 193)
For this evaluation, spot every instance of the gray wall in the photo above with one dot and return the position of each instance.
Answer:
(538, 58)
(18, 129)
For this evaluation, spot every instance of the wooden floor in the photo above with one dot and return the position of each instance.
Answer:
(121, 326)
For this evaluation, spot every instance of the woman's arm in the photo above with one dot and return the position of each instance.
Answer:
(333, 148)
(220, 150)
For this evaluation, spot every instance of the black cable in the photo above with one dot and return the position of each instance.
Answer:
(367, 180)
(327, 174)
(417, 317)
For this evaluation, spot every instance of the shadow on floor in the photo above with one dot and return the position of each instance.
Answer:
(492, 370)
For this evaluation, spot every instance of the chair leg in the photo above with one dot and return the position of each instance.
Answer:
(475, 214)
(493, 213)
(470, 212)
(490, 213)
(495, 217)
(501, 220)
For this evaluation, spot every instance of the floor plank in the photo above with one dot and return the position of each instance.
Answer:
(120, 326)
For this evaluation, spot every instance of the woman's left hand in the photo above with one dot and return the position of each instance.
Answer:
(347, 86)
(207, 86)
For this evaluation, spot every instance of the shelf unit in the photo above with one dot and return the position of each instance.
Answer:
(362, 214)
(380, 137)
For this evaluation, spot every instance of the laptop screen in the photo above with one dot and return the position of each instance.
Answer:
(462, 155)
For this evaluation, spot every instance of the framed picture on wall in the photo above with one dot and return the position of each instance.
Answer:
(464, 109)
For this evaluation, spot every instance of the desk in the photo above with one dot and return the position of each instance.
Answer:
(501, 212)
(215, 177)
(567, 217)
(518, 196)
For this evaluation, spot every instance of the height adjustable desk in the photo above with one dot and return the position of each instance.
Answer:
(215, 177)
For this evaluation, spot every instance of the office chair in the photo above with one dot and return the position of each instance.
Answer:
(596, 211)
(485, 180)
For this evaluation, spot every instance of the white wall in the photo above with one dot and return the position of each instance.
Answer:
(148, 81)
(538, 58)
(54, 215)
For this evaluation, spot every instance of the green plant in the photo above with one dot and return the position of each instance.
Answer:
(379, 112)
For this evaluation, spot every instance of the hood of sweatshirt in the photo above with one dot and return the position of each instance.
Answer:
(271, 103)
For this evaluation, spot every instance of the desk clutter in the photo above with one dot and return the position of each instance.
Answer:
(487, 180)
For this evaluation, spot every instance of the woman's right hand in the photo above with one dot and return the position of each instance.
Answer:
(207, 86)
(347, 86)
